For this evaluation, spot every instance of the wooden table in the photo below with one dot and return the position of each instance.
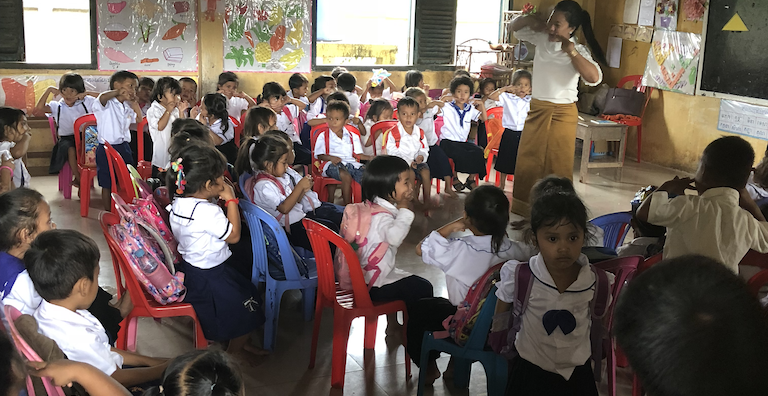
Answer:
(589, 131)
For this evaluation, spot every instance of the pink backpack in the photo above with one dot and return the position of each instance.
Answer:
(355, 225)
(143, 235)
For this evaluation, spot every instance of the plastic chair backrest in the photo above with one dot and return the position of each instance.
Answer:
(238, 129)
(381, 126)
(320, 236)
(649, 262)
(241, 181)
(140, 138)
(255, 215)
(52, 124)
(80, 124)
(439, 126)
(121, 177)
(615, 228)
(624, 269)
(435, 93)
(755, 259)
(757, 281)
(495, 112)
(479, 334)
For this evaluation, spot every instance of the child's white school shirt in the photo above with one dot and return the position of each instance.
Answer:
(345, 147)
(411, 145)
(217, 128)
(295, 109)
(145, 108)
(755, 191)
(556, 352)
(369, 150)
(354, 102)
(515, 111)
(113, 121)
(268, 197)
(316, 108)
(427, 124)
(285, 125)
(490, 103)
(65, 116)
(161, 139)
(236, 106)
(201, 228)
(391, 228)
(21, 176)
(467, 258)
(711, 224)
(79, 335)
(23, 295)
(457, 121)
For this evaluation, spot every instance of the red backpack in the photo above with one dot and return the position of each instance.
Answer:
(355, 225)
(327, 133)
(395, 133)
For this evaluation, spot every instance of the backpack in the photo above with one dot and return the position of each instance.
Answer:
(149, 254)
(395, 133)
(503, 341)
(91, 140)
(327, 131)
(355, 225)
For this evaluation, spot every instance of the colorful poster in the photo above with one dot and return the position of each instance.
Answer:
(666, 14)
(673, 61)
(743, 118)
(268, 35)
(151, 35)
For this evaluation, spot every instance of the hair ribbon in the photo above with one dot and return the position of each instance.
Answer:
(180, 181)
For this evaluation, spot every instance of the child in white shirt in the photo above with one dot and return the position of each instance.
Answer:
(144, 94)
(213, 113)
(237, 101)
(15, 135)
(166, 108)
(408, 142)
(322, 87)
(273, 96)
(347, 83)
(380, 110)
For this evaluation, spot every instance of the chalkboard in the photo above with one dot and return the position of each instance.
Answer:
(734, 61)
(11, 30)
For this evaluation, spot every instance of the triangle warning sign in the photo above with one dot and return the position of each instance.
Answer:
(735, 25)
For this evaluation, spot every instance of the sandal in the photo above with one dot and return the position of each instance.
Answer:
(470, 185)
(458, 186)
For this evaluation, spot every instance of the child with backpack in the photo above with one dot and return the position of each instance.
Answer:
(224, 300)
(464, 260)
(550, 349)
(379, 110)
(408, 142)
(273, 96)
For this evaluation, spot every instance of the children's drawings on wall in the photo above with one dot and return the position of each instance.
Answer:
(666, 14)
(268, 35)
(152, 35)
(743, 118)
(673, 61)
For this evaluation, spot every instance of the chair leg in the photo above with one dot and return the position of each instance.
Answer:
(462, 369)
(65, 181)
(426, 346)
(639, 140)
(610, 369)
(122, 334)
(637, 387)
(308, 297)
(133, 327)
(85, 194)
(341, 326)
(371, 323)
(438, 186)
(200, 341)
(488, 166)
(271, 312)
(315, 332)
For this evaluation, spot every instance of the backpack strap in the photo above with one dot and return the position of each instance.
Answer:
(395, 133)
(266, 176)
(523, 286)
(598, 308)
(421, 138)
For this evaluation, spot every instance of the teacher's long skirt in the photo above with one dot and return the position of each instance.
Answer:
(546, 148)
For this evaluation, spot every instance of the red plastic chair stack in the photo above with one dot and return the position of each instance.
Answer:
(347, 304)
(144, 305)
(144, 167)
(238, 129)
(322, 182)
(494, 112)
(122, 184)
(87, 171)
(65, 174)
(637, 84)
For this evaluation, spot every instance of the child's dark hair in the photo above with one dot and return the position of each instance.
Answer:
(297, 80)
(407, 102)
(271, 90)
(320, 82)
(488, 210)
(761, 173)
(57, 259)
(381, 176)
(147, 82)
(727, 162)
(415, 92)
(337, 71)
(576, 16)
(185, 138)
(548, 184)
(9, 117)
(413, 78)
(461, 73)
(227, 77)
(458, 81)
(378, 106)
(337, 105)
(487, 81)
(188, 79)
(201, 164)
(200, 372)
(193, 127)
(690, 327)
(72, 80)
(255, 117)
(346, 82)
(18, 211)
(268, 150)
(521, 74)
(164, 84)
(557, 207)
(120, 76)
(216, 104)
(338, 96)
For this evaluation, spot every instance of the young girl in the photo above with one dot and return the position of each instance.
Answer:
(516, 99)
(457, 117)
(321, 88)
(553, 362)
(223, 299)
(380, 110)
(144, 94)
(166, 108)
(237, 101)
(198, 373)
(274, 97)
(412, 146)
(258, 120)
(415, 78)
(486, 87)
(15, 135)
(464, 259)
(213, 113)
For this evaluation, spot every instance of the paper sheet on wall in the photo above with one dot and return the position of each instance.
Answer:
(743, 118)
(647, 12)
(631, 11)
(666, 14)
(613, 52)
(673, 61)
(152, 35)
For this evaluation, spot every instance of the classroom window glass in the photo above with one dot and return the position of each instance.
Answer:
(57, 31)
(479, 21)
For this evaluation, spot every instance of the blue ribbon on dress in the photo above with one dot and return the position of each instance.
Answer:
(559, 318)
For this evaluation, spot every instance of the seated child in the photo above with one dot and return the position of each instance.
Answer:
(379, 110)
(321, 88)
(338, 71)
(347, 83)
(713, 223)
(166, 108)
(115, 111)
(197, 373)
(383, 90)
(516, 100)
(672, 323)
(298, 86)
(556, 361)
(343, 151)
(75, 102)
(649, 238)
(64, 267)
(415, 78)
(188, 93)
(486, 88)
(457, 117)
(409, 143)
(237, 101)
(273, 96)
(15, 135)
(213, 114)
(257, 121)
(447, 94)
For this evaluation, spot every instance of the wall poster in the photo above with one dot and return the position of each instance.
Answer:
(673, 61)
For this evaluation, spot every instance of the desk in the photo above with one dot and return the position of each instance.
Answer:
(588, 132)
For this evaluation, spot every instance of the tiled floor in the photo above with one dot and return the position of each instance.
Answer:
(378, 372)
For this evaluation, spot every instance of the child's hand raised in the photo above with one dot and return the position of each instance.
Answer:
(182, 106)
(677, 186)
(194, 112)
(327, 91)
(228, 193)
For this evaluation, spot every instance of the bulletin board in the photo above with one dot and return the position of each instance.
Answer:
(151, 35)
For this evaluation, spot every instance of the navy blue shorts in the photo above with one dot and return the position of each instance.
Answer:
(418, 168)
(333, 171)
(102, 165)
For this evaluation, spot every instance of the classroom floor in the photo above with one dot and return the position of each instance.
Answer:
(378, 372)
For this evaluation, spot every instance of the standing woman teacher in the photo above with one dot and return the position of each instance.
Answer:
(549, 137)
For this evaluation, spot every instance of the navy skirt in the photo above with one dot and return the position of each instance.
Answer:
(303, 154)
(507, 159)
(226, 303)
(229, 149)
(467, 157)
(528, 379)
(439, 167)
(60, 154)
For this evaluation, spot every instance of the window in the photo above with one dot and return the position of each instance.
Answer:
(478, 21)
(362, 33)
(58, 31)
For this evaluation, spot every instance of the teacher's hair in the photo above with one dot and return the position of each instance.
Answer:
(577, 16)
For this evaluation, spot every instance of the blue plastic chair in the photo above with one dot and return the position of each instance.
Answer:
(241, 181)
(615, 228)
(473, 351)
(254, 216)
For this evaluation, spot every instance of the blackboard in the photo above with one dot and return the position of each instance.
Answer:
(11, 30)
(734, 63)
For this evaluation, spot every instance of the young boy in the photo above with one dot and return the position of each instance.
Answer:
(189, 92)
(239, 101)
(347, 83)
(714, 223)
(115, 111)
(344, 150)
(144, 94)
(412, 145)
(64, 267)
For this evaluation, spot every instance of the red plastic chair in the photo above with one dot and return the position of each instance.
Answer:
(757, 281)
(322, 182)
(624, 268)
(65, 174)
(494, 112)
(435, 93)
(637, 84)
(383, 126)
(755, 259)
(122, 184)
(87, 171)
(238, 130)
(144, 167)
(143, 304)
(347, 304)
